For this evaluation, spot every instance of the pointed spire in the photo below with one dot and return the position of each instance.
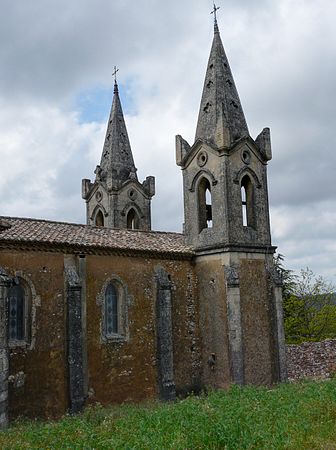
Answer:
(221, 119)
(117, 160)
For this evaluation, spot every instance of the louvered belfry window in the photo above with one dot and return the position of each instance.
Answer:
(16, 316)
(111, 310)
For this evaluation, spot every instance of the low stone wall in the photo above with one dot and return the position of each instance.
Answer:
(311, 360)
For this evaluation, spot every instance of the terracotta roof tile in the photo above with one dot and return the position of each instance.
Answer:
(34, 231)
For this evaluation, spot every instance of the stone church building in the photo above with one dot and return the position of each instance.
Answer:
(112, 311)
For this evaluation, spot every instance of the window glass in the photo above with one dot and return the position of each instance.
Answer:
(111, 310)
(16, 316)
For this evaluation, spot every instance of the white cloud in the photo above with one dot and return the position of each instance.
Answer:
(281, 54)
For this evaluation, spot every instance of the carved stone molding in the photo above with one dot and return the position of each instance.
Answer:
(125, 300)
(72, 277)
(203, 173)
(246, 170)
(232, 276)
(4, 278)
(275, 275)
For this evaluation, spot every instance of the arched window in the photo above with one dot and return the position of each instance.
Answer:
(204, 204)
(19, 299)
(113, 299)
(111, 310)
(246, 188)
(132, 220)
(99, 222)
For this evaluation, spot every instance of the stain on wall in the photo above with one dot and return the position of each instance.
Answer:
(258, 345)
(42, 391)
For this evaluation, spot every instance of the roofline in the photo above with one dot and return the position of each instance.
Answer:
(31, 219)
(38, 246)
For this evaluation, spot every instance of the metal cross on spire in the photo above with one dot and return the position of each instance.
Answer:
(114, 74)
(214, 12)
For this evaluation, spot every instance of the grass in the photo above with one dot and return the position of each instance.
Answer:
(290, 416)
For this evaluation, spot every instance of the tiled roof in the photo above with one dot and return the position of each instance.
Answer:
(86, 238)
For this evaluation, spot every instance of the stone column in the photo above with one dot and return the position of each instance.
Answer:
(75, 341)
(276, 280)
(234, 324)
(5, 282)
(164, 335)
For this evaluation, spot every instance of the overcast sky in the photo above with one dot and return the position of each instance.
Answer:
(56, 60)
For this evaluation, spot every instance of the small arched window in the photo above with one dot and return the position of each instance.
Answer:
(19, 299)
(246, 189)
(99, 221)
(113, 300)
(132, 220)
(111, 310)
(204, 204)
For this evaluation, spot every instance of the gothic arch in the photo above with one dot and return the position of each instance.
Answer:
(33, 302)
(95, 211)
(124, 301)
(202, 174)
(132, 220)
(246, 171)
(248, 201)
(204, 203)
(133, 205)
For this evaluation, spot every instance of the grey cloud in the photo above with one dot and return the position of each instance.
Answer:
(281, 55)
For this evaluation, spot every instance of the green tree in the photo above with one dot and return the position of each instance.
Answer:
(288, 276)
(309, 308)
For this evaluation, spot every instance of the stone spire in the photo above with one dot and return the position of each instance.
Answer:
(221, 119)
(117, 162)
(116, 199)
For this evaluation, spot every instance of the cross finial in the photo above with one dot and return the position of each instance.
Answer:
(214, 12)
(114, 74)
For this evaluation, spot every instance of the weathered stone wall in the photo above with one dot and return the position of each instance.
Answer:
(4, 286)
(258, 339)
(37, 378)
(311, 360)
(127, 370)
(213, 323)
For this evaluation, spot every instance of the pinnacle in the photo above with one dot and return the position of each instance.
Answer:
(117, 159)
(221, 119)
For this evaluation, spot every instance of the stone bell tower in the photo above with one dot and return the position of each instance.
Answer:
(116, 199)
(227, 223)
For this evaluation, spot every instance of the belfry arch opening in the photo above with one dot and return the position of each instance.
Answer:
(99, 221)
(246, 189)
(133, 222)
(204, 204)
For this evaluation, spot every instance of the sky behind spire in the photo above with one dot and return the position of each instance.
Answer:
(56, 61)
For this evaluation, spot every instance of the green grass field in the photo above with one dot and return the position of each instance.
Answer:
(290, 416)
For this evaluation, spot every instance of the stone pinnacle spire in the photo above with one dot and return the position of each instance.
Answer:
(117, 159)
(221, 119)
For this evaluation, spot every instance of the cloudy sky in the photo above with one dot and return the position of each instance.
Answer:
(56, 60)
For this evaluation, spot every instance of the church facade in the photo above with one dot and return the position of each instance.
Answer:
(113, 312)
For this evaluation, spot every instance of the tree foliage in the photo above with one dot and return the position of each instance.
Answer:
(309, 308)
(309, 303)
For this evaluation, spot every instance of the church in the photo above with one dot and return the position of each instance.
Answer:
(112, 311)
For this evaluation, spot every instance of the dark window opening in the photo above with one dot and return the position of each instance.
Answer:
(18, 310)
(132, 220)
(247, 202)
(111, 310)
(204, 204)
(99, 222)
(244, 205)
